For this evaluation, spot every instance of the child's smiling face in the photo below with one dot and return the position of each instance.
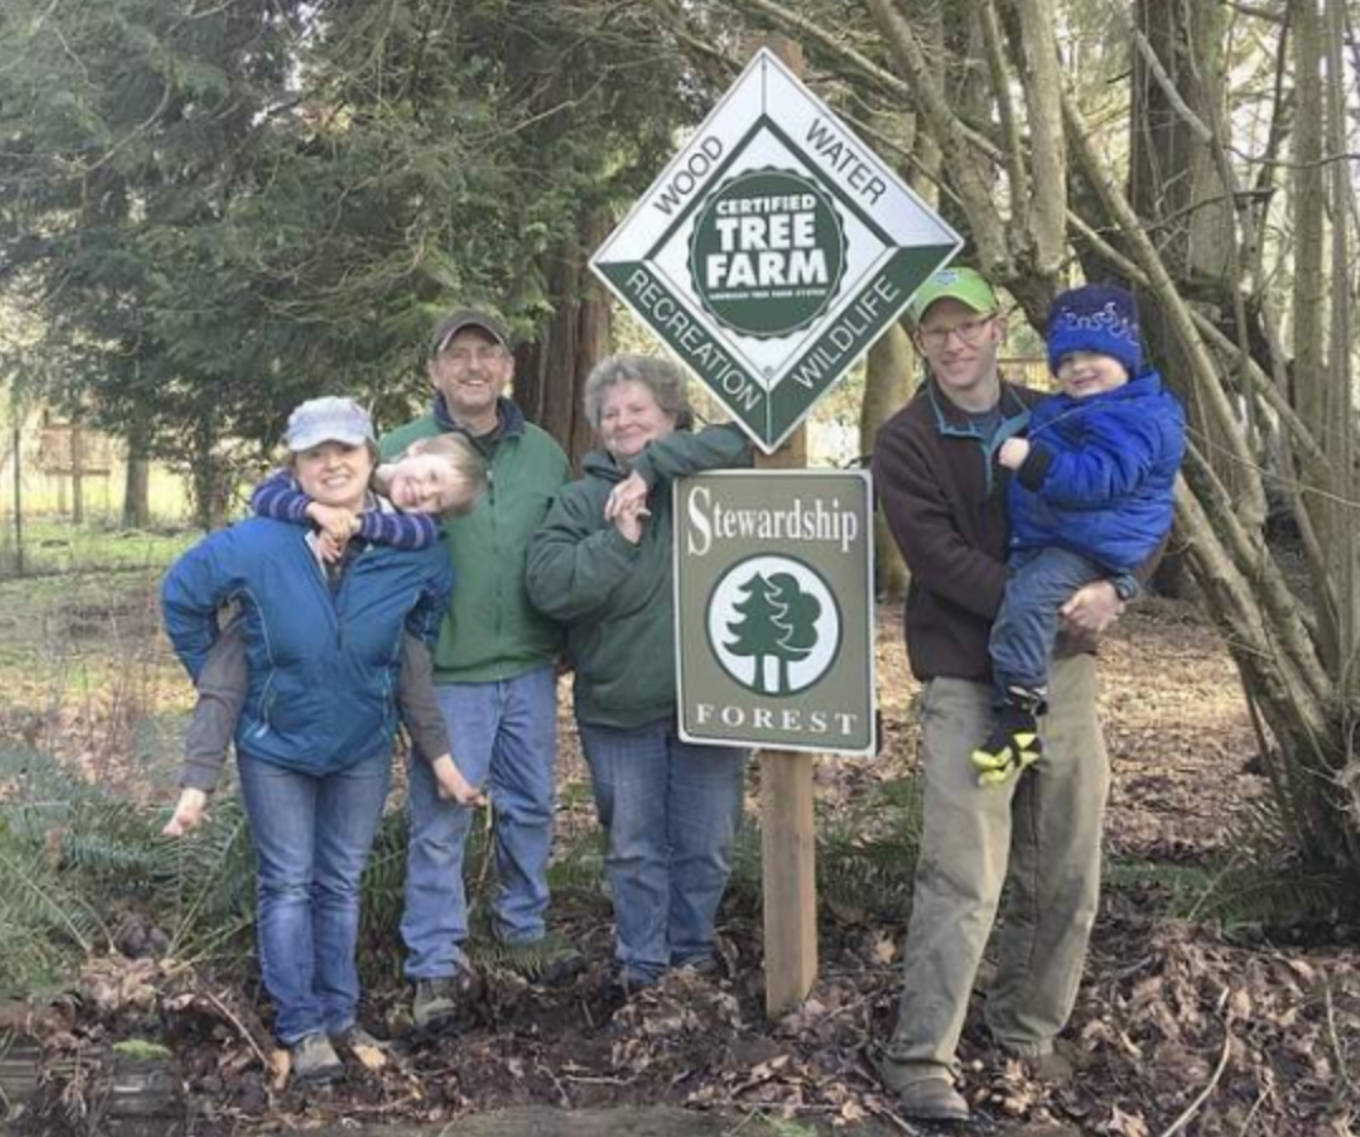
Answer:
(1086, 373)
(428, 483)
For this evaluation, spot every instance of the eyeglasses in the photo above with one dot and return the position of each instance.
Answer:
(970, 332)
(460, 358)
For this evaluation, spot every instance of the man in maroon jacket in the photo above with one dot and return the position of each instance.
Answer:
(944, 496)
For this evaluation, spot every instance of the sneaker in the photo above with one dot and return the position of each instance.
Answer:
(437, 1000)
(1014, 742)
(550, 961)
(357, 1044)
(932, 1099)
(314, 1060)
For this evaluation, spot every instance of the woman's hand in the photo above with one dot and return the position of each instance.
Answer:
(188, 813)
(1092, 608)
(628, 521)
(631, 493)
(1013, 453)
(336, 522)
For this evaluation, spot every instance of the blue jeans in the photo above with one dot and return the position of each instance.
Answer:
(1038, 583)
(311, 836)
(504, 739)
(671, 809)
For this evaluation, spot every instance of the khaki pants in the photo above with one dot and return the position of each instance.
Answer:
(1042, 833)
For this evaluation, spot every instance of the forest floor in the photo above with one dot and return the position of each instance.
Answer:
(1199, 1013)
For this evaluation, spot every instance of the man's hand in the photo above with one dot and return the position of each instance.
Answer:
(1013, 453)
(337, 523)
(1092, 608)
(627, 494)
(188, 813)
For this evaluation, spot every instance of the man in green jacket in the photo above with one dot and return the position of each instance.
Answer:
(494, 676)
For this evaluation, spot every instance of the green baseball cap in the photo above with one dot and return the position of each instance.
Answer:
(966, 285)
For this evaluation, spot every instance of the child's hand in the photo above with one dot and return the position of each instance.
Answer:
(330, 549)
(1013, 453)
(188, 813)
(452, 786)
(335, 522)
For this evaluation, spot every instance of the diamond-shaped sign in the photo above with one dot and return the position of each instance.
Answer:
(773, 250)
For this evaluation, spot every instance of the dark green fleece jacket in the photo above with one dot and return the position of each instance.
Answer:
(491, 631)
(614, 597)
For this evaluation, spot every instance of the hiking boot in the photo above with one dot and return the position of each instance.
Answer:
(1057, 1065)
(437, 1000)
(932, 1099)
(357, 1044)
(626, 981)
(314, 1061)
(549, 961)
(705, 964)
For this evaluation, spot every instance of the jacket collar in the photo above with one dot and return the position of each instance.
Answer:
(601, 464)
(509, 418)
(952, 421)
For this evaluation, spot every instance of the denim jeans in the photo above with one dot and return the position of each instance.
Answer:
(671, 809)
(1038, 583)
(504, 739)
(312, 836)
(1040, 834)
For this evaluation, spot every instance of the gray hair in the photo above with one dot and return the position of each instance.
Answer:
(660, 376)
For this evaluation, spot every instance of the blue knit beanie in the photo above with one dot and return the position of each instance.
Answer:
(1099, 318)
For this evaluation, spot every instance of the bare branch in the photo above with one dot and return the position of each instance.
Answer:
(966, 172)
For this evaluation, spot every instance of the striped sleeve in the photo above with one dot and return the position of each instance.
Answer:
(400, 530)
(278, 497)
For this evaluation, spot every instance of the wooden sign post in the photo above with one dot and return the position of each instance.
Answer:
(769, 255)
(788, 839)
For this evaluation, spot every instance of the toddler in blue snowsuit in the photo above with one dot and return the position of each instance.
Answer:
(1090, 498)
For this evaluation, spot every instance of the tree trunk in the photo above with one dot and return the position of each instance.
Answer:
(1178, 195)
(550, 372)
(137, 482)
(887, 385)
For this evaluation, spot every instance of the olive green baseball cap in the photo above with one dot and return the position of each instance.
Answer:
(966, 285)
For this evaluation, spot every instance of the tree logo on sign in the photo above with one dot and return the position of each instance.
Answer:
(767, 253)
(773, 625)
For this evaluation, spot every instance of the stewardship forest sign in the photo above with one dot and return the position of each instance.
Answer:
(773, 620)
(772, 250)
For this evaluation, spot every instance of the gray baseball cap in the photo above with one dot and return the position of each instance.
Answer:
(328, 419)
(462, 318)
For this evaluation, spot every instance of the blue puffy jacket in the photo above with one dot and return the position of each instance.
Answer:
(322, 668)
(1100, 473)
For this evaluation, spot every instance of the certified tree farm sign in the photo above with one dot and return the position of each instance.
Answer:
(772, 251)
(774, 629)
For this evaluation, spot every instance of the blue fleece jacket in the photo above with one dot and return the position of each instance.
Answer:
(1100, 473)
(322, 668)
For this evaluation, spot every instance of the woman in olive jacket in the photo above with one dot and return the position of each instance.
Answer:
(601, 564)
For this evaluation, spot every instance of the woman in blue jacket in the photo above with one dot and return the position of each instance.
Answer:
(314, 738)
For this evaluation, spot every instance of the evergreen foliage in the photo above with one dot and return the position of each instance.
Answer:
(221, 212)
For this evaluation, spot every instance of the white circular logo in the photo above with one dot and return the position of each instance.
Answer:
(773, 624)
